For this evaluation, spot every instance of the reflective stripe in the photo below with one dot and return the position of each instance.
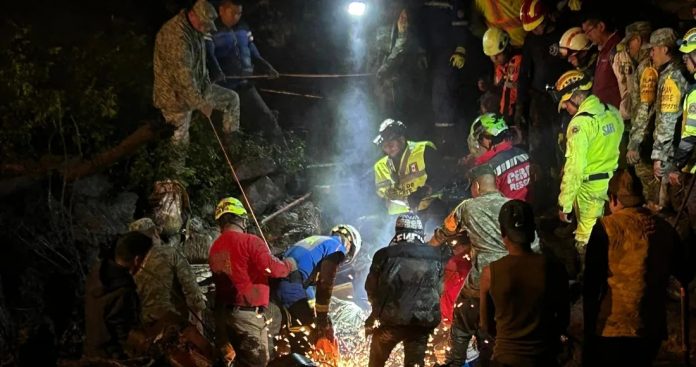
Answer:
(439, 4)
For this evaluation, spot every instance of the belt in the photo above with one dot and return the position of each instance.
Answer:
(597, 177)
(257, 309)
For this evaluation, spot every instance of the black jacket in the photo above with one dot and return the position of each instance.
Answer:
(405, 284)
(112, 310)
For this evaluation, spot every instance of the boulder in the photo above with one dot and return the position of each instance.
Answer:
(200, 238)
(262, 193)
(255, 167)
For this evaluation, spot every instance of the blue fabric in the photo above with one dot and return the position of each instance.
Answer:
(234, 50)
(308, 253)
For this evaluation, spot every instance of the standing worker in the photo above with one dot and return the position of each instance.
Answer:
(404, 288)
(241, 264)
(592, 153)
(507, 63)
(234, 56)
(306, 292)
(181, 76)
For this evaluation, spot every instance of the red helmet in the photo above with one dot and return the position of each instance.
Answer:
(532, 14)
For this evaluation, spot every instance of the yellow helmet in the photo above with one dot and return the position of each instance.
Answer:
(568, 83)
(495, 40)
(688, 43)
(232, 206)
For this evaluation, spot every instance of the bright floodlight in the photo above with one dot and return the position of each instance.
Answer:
(356, 8)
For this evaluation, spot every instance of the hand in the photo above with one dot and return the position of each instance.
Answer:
(674, 178)
(370, 325)
(207, 110)
(458, 58)
(632, 157)
(657, 169)
(392, 194)
(564, 217)
(274, 74)
(324, 327)
(417, 196)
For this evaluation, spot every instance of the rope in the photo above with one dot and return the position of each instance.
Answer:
(290, 93)
(268, 76)
(236, 179)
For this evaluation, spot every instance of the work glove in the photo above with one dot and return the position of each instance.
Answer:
(207, 110)
(632, 157)
(370, 325)
(575, 5)
(324, 327)
(392, 194)
(417, 196)
(674, 178)
(274, 74)
(458, 58)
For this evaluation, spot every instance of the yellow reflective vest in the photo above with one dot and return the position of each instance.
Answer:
(396, 185)
(689, 122)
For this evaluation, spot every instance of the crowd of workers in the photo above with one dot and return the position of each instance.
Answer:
(606, 124)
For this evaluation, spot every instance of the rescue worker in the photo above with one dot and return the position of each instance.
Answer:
(504, 15)
(166, 283)
(671, 87)
(450, 45)
(112, 308)
(404, 287)
(627, 64)
(539, 68)
(410, 175)
(601, 31)
(507, 62)
(475, 221)
(527, 329)
(510, 163)
(241, 264)
(630, 257)
(643, 89)
(306, 292)
(181, 76)
(234, 56)
(687, 143)
(592, 153)
(577, 49)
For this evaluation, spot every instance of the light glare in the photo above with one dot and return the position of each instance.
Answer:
(356, 8)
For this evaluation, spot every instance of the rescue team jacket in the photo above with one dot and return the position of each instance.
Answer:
(688, 132)
(592, 147)
(309, 254)
(241, 264)
(410, 176)
(511, 166)
(405, 284)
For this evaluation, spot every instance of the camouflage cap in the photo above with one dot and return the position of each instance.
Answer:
(662, 37)
(481, 170)
(206, 13)
(142, 225)
(641, 28)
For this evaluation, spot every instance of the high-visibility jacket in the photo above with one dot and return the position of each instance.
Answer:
(592, 148)
(688, 132)
(409, 177)
(506, 77)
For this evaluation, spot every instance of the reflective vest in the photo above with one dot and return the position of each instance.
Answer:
(689, 120)
(506, 76)
(410, 176)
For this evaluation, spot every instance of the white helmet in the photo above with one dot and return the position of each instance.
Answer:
(389, 129)
(349, 231)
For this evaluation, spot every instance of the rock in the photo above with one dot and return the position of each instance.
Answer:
(200, 238)
(255, 167)
(92, 186)
(262, 193)
(294, 225)
(97, 218)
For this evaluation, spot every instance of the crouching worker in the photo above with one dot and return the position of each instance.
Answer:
(306, 292)
(112, 308)
(404, 287)
(241, 264)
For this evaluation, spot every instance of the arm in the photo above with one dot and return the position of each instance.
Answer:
(487, 307)
(372, 281)
(325, 283)
(451, 227)
(669, 103)
(214, 70)
(684, 151)
(269, 264)
(189, 286)
(577, 143)
(383, 181)
(623, 70)
(181, 61)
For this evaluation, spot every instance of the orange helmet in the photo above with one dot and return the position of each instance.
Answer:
(532, 14)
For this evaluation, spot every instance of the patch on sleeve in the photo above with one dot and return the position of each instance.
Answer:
(450, 224)
(692, 108)
(574, 130)
(648, 85)
(670, 97)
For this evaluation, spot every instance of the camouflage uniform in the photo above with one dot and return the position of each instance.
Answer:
(166, 284)
(181, 78)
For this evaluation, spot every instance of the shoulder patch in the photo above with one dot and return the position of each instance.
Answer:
(670, 96)
(648, 85)
(692, 108)
(575, 130)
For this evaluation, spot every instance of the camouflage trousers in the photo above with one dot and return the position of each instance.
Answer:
(651, 185)
(222, 99)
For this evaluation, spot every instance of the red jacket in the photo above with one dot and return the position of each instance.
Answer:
(511, 166)
(241, 264)
(604, 85)
(456, 270)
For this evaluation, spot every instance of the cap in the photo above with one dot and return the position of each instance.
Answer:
(409, 223)
(481, 170)
(627, 188)
(662, 37)
(640, 28)
(142, 225)
(517, 221)
(206, 13)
